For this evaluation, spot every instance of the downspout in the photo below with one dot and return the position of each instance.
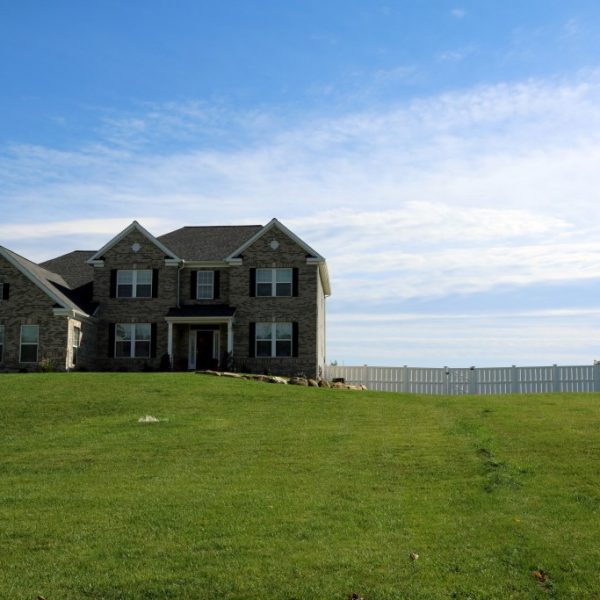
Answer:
(179, 268)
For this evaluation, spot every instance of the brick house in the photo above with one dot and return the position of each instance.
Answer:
(251, 298)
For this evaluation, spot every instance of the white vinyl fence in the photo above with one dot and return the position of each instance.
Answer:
(487, 380)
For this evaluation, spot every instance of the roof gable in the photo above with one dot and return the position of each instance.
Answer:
(52, 284)
(135, 226)
(274, 223)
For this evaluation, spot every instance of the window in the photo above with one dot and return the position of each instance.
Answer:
(274, 282)
(76, 343)
(29, 343)
(273, 339)
(132, 340)
(205, 285)
(3, 291)
(1, 342)
(134, 284)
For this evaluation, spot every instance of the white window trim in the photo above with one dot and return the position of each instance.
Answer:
(274, 339)
(134, 283)
(132, 327)
(212, 285)
(274, 282)
(37, 345)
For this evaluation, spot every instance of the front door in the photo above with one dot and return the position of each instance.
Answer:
(204, 350)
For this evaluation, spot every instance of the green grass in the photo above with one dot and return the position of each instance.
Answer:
(252, 490)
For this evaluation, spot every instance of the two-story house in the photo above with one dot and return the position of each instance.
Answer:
(251, 298)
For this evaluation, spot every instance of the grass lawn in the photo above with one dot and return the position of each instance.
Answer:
(253, 490)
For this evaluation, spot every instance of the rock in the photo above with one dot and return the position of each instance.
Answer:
(324, 383)
(234, 375)
(313, 383)
(148, 419)
(280, 380)
(208, 372)
(298, 381)
(338, 385)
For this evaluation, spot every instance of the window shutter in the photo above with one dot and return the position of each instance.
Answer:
(295, 281)
(153, 340)
(217, 285)
(5, 292)
(111, 340)
(251, 339)
(113, 283)
(252, 282)
(193, 285)
(295, 338)
(155, 283)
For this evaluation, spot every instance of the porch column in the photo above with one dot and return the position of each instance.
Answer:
(229, 337)
(170, 342)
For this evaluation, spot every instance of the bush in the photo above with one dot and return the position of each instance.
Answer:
(45, 366)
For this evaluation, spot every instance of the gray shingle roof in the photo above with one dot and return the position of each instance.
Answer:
(208, 243)
(72, 267)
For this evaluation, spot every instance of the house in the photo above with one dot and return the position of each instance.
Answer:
(249, 298)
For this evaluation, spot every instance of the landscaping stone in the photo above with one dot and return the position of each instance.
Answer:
(229, 374)
(313, 383)
(298, 381)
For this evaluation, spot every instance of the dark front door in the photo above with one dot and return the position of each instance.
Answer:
(204, 350)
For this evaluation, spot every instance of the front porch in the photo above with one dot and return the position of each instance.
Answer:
(200, 337)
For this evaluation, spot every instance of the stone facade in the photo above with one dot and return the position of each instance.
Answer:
(132, 310)
(29, 305)
(301, 309)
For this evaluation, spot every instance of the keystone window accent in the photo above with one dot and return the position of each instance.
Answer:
(1, 342)
(132, 340)
(134, 284)
(274, 282)
(30, 335)
(274, 339)
(76, 344)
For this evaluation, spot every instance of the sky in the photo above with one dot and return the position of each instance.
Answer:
(443, 156)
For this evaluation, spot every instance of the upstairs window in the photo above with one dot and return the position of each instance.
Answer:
(132, 340)
(1, 343)
(205, 281)
(134, 284)
(3, 291)
(274, 282)
(30, 335)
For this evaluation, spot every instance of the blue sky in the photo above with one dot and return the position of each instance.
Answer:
(443, 156)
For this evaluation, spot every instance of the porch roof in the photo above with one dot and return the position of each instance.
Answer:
(206, 311)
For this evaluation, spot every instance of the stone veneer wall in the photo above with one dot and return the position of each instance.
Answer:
(29, 305)
(133, 310)
(303, 308)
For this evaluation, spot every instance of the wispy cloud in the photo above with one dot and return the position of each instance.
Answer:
(458, 13)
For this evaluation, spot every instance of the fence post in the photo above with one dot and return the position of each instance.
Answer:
(555, 378)
(365, 376)
(514, 381)
(472, 381)
(597, 376)
(446, 381)
(405, 379)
